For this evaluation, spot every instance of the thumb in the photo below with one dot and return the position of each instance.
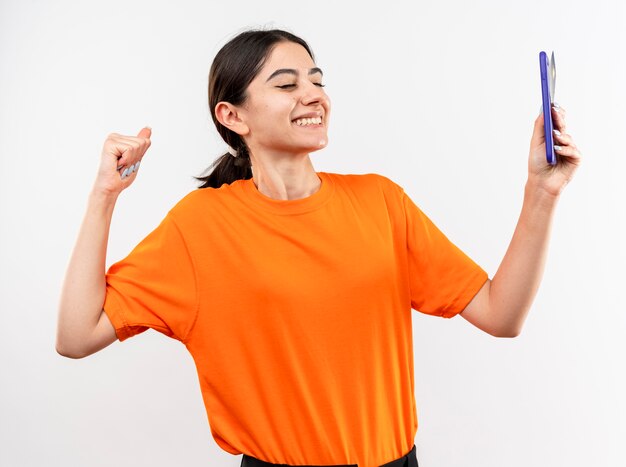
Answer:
(145, 132)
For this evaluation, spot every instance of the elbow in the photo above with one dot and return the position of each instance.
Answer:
(508, 332)
(63, 346)
(68, 350)
(69, 353)
(68, 343)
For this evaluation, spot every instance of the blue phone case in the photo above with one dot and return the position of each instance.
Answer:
(547, 108)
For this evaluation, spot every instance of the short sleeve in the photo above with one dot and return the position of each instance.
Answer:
(154, 286)
(443, 279)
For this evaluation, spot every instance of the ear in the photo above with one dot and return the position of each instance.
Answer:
(230, 116)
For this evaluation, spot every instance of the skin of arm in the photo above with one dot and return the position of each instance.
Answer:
(82, 296)
(500, 307)
(83, 327)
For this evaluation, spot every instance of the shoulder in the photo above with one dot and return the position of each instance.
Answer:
(373, 190)
(367, 181)
(204, 200)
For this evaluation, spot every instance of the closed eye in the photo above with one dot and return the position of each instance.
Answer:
(285, 86)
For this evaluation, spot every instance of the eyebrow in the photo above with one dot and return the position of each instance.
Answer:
(291, 71)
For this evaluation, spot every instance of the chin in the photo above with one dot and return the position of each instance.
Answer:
(322, 143)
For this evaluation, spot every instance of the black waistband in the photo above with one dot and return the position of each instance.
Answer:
(408, 460)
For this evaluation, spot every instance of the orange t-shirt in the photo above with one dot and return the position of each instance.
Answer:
(297, 313)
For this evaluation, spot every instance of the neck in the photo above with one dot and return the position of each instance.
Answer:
(285, 178)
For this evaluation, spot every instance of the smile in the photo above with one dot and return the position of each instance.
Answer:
(308, 121)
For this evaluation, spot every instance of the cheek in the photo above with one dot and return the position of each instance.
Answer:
(278, 108)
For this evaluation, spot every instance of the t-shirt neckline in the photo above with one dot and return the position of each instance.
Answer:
(290, 206)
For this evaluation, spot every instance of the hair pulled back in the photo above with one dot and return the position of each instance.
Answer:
(235, 66)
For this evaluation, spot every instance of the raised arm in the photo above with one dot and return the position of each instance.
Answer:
(83, 328)
(501, 306)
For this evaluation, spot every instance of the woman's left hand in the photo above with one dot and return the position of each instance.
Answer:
(552, 178)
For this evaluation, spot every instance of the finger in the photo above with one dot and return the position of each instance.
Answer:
(118, 148)
(145, 132)
(135, 149)
(132, 140)
(563, 139)
(571, 153)
(556, 105)
(125, 150)
(131, 166)
(558, 118)
(129, 171)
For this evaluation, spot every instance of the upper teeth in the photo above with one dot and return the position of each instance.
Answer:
(309, 121)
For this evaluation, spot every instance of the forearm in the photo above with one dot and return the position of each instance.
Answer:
(84, 286)
(501, 305)
(515, 284)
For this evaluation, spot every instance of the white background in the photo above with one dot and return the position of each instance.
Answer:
(438, 96)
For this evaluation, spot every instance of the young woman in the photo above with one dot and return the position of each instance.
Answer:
(292, 289)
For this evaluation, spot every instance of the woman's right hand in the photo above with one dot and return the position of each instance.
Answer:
(120, 160)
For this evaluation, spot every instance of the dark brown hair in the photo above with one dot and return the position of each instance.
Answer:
(233, 69)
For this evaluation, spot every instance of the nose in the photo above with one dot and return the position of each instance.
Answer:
(314, 94)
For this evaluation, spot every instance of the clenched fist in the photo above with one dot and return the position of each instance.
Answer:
(120, 160)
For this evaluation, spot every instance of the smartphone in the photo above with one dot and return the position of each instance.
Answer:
(548, 81)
